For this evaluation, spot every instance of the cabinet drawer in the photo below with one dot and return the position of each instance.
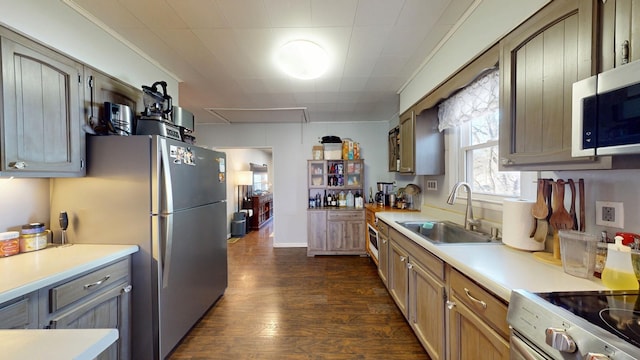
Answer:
(69, 292)
(429, 261)
(17, 315)
(345, 215)
(383, 228)
(481, 302)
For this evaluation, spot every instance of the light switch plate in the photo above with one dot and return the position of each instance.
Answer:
(609, 213)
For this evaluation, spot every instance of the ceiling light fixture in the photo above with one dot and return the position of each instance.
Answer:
(302, 59)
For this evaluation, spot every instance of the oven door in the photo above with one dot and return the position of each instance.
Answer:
(373, 241)
(520, 349)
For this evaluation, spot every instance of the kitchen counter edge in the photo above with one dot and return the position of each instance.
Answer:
(31, 271)
(497, 267)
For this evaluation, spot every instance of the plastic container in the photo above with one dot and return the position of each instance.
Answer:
(9, 243)
(578, 252)
(332, 151)
(618, 272)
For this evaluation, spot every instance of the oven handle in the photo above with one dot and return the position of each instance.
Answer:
(521, 351)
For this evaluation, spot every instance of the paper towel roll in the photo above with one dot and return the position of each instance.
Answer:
(517, 223)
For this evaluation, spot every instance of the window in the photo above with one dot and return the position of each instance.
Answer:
(472, 119)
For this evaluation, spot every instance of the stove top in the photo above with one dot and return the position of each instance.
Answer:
(617, 312)
(598, 322)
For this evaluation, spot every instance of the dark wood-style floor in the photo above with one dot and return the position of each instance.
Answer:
(281, 304)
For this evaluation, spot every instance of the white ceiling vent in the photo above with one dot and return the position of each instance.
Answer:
(261, 116)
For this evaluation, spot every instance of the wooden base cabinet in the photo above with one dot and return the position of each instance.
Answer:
(96, 299)
(416, 283)
(478, 326)
(383, 252)
(20, 313)
(336, 232)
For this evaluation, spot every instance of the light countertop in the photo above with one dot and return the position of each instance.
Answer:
(85, 344)
(497, 267)
(27, 272)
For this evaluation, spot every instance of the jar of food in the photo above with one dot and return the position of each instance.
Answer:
(9, 244)
(33, 237)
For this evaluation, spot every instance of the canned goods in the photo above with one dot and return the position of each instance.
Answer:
(9, 244)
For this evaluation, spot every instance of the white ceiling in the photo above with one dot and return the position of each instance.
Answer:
(221, 51)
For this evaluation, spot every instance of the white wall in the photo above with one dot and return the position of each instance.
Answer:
(292, 144)
(490, 21)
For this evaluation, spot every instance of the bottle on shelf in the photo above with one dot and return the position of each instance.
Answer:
(350, 199)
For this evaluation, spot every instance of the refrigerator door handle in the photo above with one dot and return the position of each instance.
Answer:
(166, 172)
(168, 238)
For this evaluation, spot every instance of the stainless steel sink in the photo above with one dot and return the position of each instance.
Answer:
(446, 232)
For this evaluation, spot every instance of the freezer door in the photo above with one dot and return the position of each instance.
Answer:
(192, 268)
(188, 176)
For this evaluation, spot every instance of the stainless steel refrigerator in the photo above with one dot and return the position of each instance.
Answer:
(168, 198)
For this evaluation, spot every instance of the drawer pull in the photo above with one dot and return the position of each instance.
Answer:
(484, 304)
(99, 282)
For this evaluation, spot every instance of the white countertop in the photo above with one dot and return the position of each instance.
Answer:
(63, 344)
(27, 272)
(497, 267)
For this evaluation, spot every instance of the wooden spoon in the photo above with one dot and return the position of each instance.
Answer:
(582, 216)
(539, 209)
(572, 209)
(560, 218)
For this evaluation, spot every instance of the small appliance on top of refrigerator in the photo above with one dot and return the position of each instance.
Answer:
(167, 197)
(156, 118)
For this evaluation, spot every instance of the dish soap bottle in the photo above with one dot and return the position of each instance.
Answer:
(618, 272)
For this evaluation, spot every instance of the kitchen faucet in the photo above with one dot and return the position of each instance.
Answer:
(469, 222)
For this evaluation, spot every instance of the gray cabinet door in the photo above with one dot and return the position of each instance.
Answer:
(539, 63)
(109, 310)
(41, 94)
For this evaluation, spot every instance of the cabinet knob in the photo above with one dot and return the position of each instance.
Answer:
(18, 165)
(450, 304)
(409, 266)
(625, 52)
(592, 356)
(402, 258)
(127, 289)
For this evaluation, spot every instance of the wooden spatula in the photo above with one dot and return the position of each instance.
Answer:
(540, 212)
(572, 209)
(560, 218)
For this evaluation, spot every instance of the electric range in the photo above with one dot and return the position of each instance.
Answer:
(575, 325)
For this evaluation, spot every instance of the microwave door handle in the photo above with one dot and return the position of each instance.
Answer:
(581, 90)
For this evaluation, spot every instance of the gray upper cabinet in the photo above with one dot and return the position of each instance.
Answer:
(421, 144)
(539, 62)
(100, 88)
(620, 32)
(41, 132)
(407, 142)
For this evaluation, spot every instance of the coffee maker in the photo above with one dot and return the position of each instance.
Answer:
(384, 190)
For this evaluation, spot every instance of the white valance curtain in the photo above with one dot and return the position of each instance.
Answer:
(480, 98)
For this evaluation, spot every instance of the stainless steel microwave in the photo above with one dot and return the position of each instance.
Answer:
(606, 113)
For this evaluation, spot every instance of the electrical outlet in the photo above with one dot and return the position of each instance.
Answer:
(610, 214)
(432, 185)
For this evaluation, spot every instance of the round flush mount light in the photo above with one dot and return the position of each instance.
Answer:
(302, 59)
